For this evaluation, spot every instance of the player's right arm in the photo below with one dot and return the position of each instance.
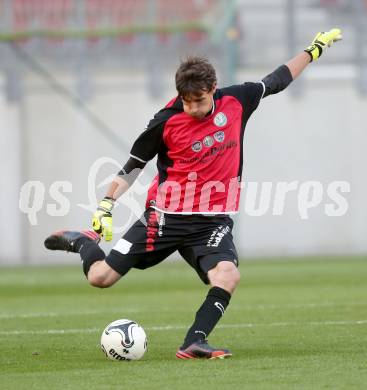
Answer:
(102, 218)
(143, 150)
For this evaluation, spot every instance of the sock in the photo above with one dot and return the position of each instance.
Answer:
(89, 251)
(208, 315)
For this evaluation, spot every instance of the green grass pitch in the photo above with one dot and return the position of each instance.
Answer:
(299, 324)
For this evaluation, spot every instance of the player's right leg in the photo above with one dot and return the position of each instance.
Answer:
(144, 245)
(95, 268)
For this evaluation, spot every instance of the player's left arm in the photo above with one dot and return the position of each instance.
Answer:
(279, 79)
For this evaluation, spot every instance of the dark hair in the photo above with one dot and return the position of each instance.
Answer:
(195, 75)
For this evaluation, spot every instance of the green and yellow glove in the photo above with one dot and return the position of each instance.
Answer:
(323, 40)
(102, 219)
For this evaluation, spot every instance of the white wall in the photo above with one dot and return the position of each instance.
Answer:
(10, 176)
(319, 137)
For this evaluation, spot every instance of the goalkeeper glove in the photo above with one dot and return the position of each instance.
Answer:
(102, 219)
(321, 41)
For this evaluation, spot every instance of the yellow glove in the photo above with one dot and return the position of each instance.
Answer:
(102, 219)
(321, 41)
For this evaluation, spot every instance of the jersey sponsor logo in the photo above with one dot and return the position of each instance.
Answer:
(219, 136)
(220, 119)
(197, 146)
(208, 141)
(212, 152)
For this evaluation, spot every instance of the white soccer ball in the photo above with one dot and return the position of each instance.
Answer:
(124, 340)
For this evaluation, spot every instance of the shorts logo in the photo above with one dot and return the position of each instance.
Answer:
(217, 235)
(197, 146)
(152, 231)
(219, 136)
(123, 246)
(220, 119)
(208, 141)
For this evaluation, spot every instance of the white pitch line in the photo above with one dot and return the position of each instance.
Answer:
(72, 313)
(179, 327)
(142, 309)
(298, 305)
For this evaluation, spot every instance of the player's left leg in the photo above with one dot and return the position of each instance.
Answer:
(211, 252)
(224, 275)
(224, 278)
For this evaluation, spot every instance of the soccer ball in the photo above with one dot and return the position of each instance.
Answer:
(124, 340)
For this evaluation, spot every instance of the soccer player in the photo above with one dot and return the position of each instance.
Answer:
(198, 138)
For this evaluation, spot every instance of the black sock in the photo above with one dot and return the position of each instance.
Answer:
(208, 315)
(89, 251)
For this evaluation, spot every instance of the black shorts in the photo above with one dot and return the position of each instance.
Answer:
(202, 241)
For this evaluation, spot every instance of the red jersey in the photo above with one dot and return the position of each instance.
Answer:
(199, 161)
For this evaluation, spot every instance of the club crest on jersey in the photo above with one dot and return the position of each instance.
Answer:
(197, 146)
(208, 141)
(220, 119)
(219, 136)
